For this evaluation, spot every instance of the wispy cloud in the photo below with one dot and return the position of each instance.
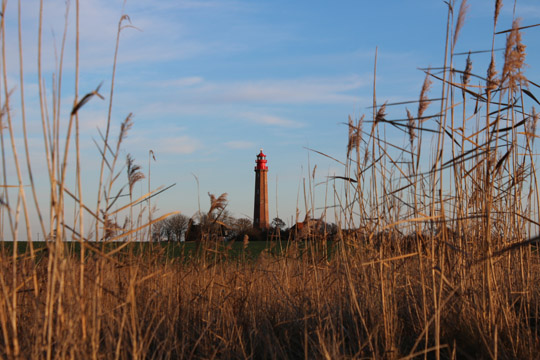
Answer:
(178, 145)
(171, 145)
(265, 119)
(178, 82)
(287, 91)
(156, 39)
(188, 4)
(183, 97)
(322, 90)
(240, 145)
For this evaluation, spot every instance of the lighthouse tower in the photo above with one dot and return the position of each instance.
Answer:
(260, 212)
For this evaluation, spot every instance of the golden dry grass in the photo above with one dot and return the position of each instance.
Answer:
(354, 305)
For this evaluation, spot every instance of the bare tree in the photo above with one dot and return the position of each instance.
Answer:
(178, 225)
(172, 228)
(243, 225)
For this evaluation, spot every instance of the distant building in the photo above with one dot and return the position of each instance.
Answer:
(260, 212)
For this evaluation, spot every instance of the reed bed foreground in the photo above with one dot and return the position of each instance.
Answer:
(290, 306)
(436, 251)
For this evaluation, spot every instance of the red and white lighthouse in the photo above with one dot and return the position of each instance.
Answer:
(260, 212)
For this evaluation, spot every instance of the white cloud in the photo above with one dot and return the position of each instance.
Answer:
(162, 144)
(321, 90)
(240, 144)
(179, 82)
(188, 4)
(272, 120)
(90, 120)
(195, 95)
(156, 40)
(287, 91)
(178, 145)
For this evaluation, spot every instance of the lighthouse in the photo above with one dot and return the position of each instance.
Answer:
(260, 212)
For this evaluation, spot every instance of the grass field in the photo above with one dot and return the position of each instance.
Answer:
(176, 251)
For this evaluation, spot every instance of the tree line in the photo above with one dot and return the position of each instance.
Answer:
(218, 224)
(183, 228)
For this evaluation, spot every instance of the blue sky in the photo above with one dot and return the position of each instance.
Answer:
(211, 82)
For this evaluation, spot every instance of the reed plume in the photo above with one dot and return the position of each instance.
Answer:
(492, 81)
(466, 76)
(530, 125)
(498, 6)
(464, 7)
(411, 124)
(355, 134)
(381, 114)
(133, 172)
(424, 100)
(514, 60)
(217, 204)
(126, 125)
(351, 142)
